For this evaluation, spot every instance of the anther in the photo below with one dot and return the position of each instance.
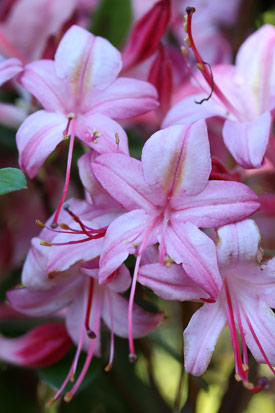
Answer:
(50, 402)
(185, 26)
(64, 226)
(108, 367)
(96, 134)
(200, 67)
(238, 377)
(54, 225)
(132, 357)
(190, 10)
(183, 51)
(46, 243)
(39, 223)
(72, 378)
(91, 334)
(66, 207)
(70, 116)
(117, 138)
(168, 261)
(68, 397)
(248, 385)
(245, 367)
(188, 41)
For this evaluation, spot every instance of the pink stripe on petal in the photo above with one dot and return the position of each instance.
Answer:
(220, 203)
(248, 141)
(37, 137)
(177, 159)
(189, 246)
(201, 335)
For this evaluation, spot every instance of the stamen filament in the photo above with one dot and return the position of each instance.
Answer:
(111, 357)
(258, 342)
(233, 334)
(68, 172)
(90, 333)
(132, 354)
(204, 68)
(90, 354)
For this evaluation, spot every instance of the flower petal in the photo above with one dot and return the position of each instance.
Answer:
(220, 203)
(125, 98)
(9, 68)
(170, 283)
(37, 137)
(189, 246)
(99, 132)
(38, 303)
(262, 320)
(123, 178)
(177, 159)
(86, 62)
(247, 141)
(238, 244)
(62, 257)
(188, 111)
(143, 322)
(201, 335)
(40, 347)
(257, 68)
(121, 239)
(41, 80)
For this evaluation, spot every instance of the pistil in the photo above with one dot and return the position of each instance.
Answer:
(205, 67)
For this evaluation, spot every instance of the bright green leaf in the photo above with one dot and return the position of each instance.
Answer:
(11, 179)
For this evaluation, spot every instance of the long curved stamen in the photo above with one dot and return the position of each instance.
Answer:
(240, 373)
(68, 396)
(72, 123)
(132, 353)
(244, 346)
(90, 333)
(111, 357)
(257, 341)
(206, 72)
(71, 373)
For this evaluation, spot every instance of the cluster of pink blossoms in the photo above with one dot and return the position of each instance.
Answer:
(181, 211)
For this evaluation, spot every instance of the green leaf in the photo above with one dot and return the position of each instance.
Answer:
(11, 179)
(112, 20)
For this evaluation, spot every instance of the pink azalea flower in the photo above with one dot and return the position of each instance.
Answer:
(168, 197)
(42, 19)
(10, 115)
(87, 302)
(244, 304)
(242, 94)
(80, 93)
(40, 347)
